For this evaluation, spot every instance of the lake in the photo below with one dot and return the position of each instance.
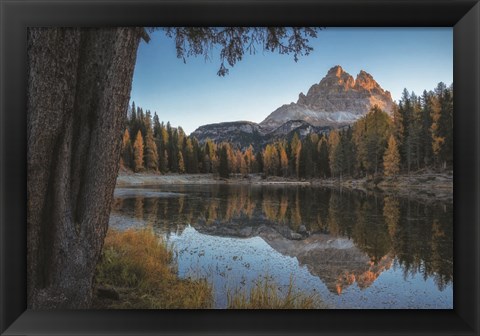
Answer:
(351, 248)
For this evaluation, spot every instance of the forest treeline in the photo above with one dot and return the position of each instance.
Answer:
(417, 135)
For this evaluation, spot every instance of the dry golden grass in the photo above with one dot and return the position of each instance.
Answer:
(140, 267)
(265, 295)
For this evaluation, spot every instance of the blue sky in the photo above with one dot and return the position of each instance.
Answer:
(191, 94)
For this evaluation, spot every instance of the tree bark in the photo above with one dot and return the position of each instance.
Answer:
(79, 83)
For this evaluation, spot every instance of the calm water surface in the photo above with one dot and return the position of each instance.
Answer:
(354, 250)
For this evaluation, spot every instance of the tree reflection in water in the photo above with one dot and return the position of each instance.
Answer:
(417, 235)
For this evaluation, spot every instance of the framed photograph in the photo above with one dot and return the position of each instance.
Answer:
(321, 178)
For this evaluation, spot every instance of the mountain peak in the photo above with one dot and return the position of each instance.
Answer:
(363, 73)
(365, 80)
(338, 99)
(336, 71)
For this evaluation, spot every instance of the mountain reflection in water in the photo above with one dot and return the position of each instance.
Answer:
(337, 243)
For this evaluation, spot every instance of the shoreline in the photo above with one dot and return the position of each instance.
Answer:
(424, 185)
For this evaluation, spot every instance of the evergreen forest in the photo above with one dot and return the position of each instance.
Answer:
(417, 135)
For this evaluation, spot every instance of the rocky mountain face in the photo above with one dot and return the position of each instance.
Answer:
(241, 133)
(336, 101)
(246, 133)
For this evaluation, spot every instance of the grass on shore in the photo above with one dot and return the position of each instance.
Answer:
(266, 295)
(140, 268)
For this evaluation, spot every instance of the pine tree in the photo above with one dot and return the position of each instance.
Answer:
(141, 120)
(191, 160)
(197, 156)
(442, 126)
(258, 162)
(173, 151)
(150, 150)
(250, 159)
(271, 160)
(232, 159)
(391, 159)
(169, 145)
(182, 143)
(211, 158)
(397, 124)
(348, 148)
(223, 169)
(339, 157)
(127, 153)
(412, 142)
(181, 163)
(298, 159)
(133, 129)
(283, 161)
(426, 128)
(151, 154)
(370, 135)
(307, 165)
(295, 149)
(162, 149)
(323, 160)
(131, 111)
(207, 165)
(359, 135)
(334, 158)
(240, 162)
(156, 126)
(404, 114)
(138, 153)
(163, 164)
(448, 121)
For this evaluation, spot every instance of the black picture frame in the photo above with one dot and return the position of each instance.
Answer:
(462, 15)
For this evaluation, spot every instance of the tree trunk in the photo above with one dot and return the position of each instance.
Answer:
(79, 83)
